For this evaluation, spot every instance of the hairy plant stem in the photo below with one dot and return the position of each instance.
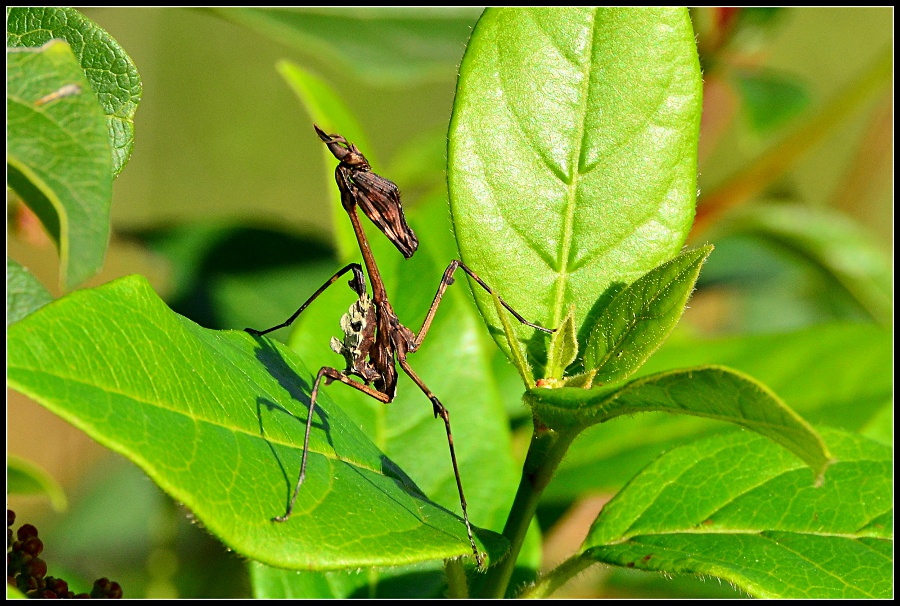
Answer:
(457, 586)
(554, 579)
(545, 452)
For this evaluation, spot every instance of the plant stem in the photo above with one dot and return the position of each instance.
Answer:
(545, 452)
(457, 587)
(554, 579)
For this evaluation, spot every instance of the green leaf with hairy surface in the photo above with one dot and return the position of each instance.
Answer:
(107, 67)
(24, 293)
(712, 392)
(25, 478)
(563, 347)
(333, 116)
(572, 154)
(640, 317)
(58, 154)
(842, 251)
(217, 420)
(745, 511)
(840, 375)
(381, 45)
(584, 380)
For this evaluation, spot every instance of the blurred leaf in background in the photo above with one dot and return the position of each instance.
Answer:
(382, 46)
(771, 99)
(26, 478)
(223, 206)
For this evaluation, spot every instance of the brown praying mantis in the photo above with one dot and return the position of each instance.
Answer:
(374, 339)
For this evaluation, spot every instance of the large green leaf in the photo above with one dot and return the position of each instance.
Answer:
(380, 45)
(640, 317)
(58, 154)
(707, 391)
(217, 420)
(572, 154)
(24, 292)
(746, 511)
(109, 70)
(840, 375)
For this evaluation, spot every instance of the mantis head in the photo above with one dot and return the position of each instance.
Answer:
(379, 198)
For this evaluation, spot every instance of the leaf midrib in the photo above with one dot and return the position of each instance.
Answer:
(742, 531)
(572, 187)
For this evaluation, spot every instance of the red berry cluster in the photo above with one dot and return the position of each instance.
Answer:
(26, 571)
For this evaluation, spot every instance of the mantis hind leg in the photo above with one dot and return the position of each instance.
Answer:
(441, 411)
(329, 374)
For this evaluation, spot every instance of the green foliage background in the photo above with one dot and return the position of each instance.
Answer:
(225, 175)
